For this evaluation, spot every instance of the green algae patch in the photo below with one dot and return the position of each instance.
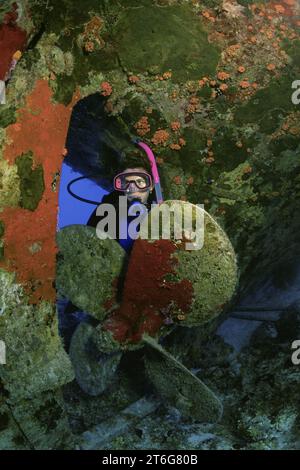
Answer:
(235, 186)
(44, 422)
(192, 151)
(282, 143)
(36, 360)
(76, 33)
(2, 228)
(11, 437)
(32, 184)
(88, 269)
(228, 154)
(171, 38)
(268, 106)
(7, 115)
(9, 185)
(37, 366)
(292, 48)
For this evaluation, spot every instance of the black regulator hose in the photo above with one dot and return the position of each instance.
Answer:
(82, 199)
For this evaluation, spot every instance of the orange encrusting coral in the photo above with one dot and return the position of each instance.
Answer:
(41, 128)
(106, 89)
(160, 137)
(142, 126)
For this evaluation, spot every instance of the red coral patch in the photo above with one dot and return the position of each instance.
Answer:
(42, 127)
(147, 293)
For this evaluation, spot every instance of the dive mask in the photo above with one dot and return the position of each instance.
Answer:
(132, 181)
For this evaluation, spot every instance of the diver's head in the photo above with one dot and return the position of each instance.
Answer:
(135, 182)
(134, 178)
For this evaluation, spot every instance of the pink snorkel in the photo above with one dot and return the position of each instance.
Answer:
(154, 170)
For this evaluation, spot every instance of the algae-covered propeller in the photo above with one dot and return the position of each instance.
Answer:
(88, 269)
(178, 386)
(202, 265)
(95, 363)
(169, 282)
(94, 366)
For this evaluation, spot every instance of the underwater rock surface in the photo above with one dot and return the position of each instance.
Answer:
(36, 369)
